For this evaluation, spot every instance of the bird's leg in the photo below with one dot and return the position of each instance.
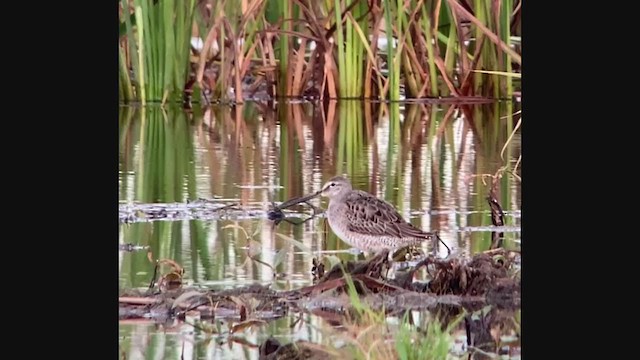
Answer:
(435, 248)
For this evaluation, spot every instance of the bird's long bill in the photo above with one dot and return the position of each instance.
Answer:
(299, 200)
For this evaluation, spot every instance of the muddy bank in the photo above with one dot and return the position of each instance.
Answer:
(483, 292)
(489, 278)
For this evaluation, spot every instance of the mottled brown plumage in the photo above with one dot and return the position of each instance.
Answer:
(366, 222)
(371, 216)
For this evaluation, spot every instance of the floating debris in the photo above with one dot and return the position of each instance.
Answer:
(132, 247)
(199, 209)
(489, 278)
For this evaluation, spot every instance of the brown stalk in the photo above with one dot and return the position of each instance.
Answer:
(297, 123)
(409, 75)
(468, 117)
(288, 75)
(251, 11)
(240, 65)
(329, 77)
(492, 36)
(445, 77)
(138, 300)
(436, 11)
(412, 62)
(424, 87)
(247, 61)
(466, 82)
(374, 50)
(299, 66)
(272, 61)
(331, 125)
(322, 46)
(385, 88)
(424, 78)
(237, 59)
(464, 61)
(415, 134)
(239, 126)
(445, 119)
(202, 60)
(309, 69)
(368, 120)
(315, 25)
(495, 9)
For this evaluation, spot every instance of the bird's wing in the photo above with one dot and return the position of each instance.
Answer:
(369, 215)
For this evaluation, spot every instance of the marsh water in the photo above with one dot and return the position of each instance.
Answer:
(177, 168)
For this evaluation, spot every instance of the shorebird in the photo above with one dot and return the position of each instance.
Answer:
(366, 222)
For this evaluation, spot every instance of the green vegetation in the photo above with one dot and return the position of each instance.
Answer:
(337, 49)
(438, 154)
(166, 157)
(431, 344)
(155, 48)
(424, 154)
(371, 336)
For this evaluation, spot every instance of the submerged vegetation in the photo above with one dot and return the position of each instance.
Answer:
(231, 50)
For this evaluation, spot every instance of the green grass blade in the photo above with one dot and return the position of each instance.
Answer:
(169, 40)
(428, 31)
(125, 80)
(394, 84)
(141, 55)
(342, 63)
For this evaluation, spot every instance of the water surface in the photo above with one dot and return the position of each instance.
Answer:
(434, 162)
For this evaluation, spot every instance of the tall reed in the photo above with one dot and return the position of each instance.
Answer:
(332, 48)
(392, 63)
(159, 43)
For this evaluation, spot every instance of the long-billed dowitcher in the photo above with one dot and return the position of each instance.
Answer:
(366, 222)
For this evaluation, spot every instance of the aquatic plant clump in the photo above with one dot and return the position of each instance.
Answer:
(357, 295)
(215, 50)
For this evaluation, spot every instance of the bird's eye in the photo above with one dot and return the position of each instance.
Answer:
(333, 184)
